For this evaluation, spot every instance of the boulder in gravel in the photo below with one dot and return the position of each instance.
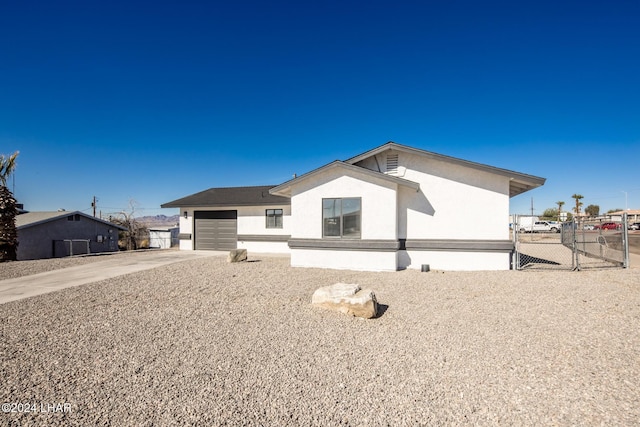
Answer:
(347, 298)
(237, 255)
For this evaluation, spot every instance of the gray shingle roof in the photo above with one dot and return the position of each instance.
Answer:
(30, 219)
(230, 196)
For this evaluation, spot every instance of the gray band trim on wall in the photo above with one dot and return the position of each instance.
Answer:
(184, 236)
(448, 245)
(346, 244)
(459, 245)
(263, 237)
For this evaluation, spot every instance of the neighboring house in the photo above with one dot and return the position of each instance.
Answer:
(59, 234)
(632, 215)
(236, 217)
(163, 237)
(391, 208)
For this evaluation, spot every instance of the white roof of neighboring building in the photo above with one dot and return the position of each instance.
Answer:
(628, 212)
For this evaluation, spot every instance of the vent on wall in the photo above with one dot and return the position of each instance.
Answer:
(392, 164)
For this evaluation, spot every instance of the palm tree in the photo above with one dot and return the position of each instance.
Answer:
(8, 211)
(578, 202)
(559, 209)
(7, 166)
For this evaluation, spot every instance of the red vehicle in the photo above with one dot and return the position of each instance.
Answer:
(607, 226)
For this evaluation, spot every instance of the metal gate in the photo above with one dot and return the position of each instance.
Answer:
(577, 245)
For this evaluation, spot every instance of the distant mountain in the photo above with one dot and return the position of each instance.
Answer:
(159, 220)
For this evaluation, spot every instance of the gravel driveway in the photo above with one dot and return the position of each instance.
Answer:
(204, 342)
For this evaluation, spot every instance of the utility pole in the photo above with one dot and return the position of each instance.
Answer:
(532, 206)
(93, 205)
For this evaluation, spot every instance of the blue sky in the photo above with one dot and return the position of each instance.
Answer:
(153, 101)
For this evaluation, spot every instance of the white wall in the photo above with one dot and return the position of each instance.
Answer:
(344, 260)
(186, 227)
(454, 261)
(378, 203)
(252, 220)
(454, 202)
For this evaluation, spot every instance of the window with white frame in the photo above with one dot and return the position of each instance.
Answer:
(274, 218)
(341, 218)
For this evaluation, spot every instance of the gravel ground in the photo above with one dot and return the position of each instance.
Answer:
(204, 342)
(11, 270)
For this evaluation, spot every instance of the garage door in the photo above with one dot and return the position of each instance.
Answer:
(216, 230)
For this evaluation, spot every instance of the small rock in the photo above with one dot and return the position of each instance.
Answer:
(347, 298)
(237, 255)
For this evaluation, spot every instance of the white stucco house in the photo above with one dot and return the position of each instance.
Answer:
(390, 208)
(234, 217)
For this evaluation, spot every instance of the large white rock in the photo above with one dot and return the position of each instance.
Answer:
(237, 255)
(347, 298)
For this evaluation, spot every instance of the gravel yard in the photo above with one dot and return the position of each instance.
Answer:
(209, 343)
(11, 270)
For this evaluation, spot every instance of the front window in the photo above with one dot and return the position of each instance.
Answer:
(274, 218)
(341, 218)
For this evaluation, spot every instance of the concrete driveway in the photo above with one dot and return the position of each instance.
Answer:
(106, 267)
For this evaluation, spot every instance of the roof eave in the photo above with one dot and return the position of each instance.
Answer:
(220, 205)
(527, 182)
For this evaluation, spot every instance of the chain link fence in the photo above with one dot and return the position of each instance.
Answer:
(572, 245)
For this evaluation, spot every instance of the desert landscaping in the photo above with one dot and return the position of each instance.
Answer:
(205, 342)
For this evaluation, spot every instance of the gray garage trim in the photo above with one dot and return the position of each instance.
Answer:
(448, 245)
(263, 238)
(215, 230)
(346, 244)
(452, 245)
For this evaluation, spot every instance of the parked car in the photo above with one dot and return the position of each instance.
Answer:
(608, 226)
(555, 224)
(588, 227)
(634, 226)
(532, 224)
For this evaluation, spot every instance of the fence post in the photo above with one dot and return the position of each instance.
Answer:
(625, 241)
(577, 228)
(516, 255)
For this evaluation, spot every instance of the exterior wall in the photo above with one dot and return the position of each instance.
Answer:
(186, 229)
(37, 242)
(253, 233)
(344, 260)
(163, 239)
(264, 247)
(454, 260)
(454, 202)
